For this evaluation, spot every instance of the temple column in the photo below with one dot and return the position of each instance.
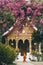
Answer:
(39, 47)
(35, 44)
(16, 42)
(30, 49)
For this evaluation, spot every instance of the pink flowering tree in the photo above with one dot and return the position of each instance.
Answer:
(20, 12)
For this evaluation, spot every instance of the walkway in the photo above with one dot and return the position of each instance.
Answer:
(24, 63)
(19, 60)
(29, 63)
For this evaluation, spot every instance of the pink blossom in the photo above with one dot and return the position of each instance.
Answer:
(21, 9)
(37, 12)
(34, 6)
(39, 5)
(22, 14)
(8, 6)
(29, 10)
(41, 21)
(27, 4)
(17, 5)
(1, 3)
(16, 12)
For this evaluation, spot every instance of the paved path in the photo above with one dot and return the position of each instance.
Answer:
(37, 63)
(24, 63)
(29, 63)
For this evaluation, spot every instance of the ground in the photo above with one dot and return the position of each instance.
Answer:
(19, 61)
(37, 63)
(24, 63)
(29, 63)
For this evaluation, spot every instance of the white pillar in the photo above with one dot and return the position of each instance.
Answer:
(17, 44)
(35, 47)
(30, 49)
(39, 47)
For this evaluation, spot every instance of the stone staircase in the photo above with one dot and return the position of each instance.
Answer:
(29, 57)
(20, 58)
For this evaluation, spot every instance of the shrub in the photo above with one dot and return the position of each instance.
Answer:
(7, 54)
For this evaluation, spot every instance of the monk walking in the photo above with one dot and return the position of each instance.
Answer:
(24, 57)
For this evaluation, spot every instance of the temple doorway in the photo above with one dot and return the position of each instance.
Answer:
(23, 46)
(26, 45)
(20, 45)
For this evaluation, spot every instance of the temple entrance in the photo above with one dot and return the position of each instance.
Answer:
(26, 45)
(20, 45)
(23, 47)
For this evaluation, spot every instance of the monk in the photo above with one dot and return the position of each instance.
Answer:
(24, 57)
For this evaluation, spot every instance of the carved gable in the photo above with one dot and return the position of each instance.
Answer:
(25, 34)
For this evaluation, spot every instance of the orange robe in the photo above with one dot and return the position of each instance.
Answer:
(24, 57)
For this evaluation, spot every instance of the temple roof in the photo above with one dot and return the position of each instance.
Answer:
(12, 28)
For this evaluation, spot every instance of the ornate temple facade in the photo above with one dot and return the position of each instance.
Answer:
(22, 40)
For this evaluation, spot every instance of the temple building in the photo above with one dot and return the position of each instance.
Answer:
(22, 40)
